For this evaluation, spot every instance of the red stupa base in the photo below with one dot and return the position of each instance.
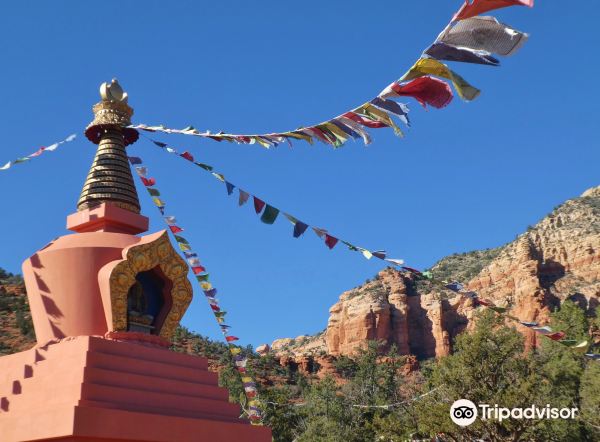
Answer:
(91, 389)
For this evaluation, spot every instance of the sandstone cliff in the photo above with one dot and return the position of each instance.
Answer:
(557, 259)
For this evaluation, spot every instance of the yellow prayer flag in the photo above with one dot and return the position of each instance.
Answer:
(299, 136)
(339, 133)
(379, 115)
(367, 254)
(234, 351)
(431, 66)
(206, 285)
(262, 142)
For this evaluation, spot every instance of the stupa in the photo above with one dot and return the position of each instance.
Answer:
(105, 302)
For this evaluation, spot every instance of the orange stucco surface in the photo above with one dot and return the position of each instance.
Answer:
(85, 382)
(94, 389)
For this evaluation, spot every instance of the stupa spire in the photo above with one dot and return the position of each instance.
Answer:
(109, 179)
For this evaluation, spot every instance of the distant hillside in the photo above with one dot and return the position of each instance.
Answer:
(555, 260)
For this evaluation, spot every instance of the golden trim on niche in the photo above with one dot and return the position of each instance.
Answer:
(141, 258)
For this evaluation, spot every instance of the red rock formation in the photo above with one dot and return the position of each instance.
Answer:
(557, 259)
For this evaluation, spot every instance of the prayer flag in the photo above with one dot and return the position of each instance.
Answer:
(175, 229)
(193, 261)
(350, 246)
(135, 160)
(198, 269)
(320, 232)
(426, 90)
(243, 197)
(290, 218)
(269, 215)
(472, 8)
(201, 278)
(486, 34)
(181, 239)
(445, 51)
(398, 262)
(346, 129)
(356, 127)
(232, 338)
(153, 192)
(556, 336)
(330, 241)
(148, 181)
(398, 109)
(188, 156)
(455, 286)
(430, 66)
(379, 254)
(299, 228)
(159, 144)
(229, 187)
(364, 121)
(170, 220)
(258, 205)
(543, 330)
(204, 166)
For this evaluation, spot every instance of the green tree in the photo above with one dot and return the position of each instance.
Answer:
(488, 367)
(590, 399)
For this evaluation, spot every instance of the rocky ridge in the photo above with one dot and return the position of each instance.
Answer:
(555, 260)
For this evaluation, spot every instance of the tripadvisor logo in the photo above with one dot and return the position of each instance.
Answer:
(463, 412)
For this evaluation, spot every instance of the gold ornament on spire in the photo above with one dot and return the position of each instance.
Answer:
(109, 179)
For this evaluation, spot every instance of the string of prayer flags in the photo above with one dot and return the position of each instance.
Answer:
(472, 8)
(210, 292)
(269, 213)
(468, 38)
(38, 152)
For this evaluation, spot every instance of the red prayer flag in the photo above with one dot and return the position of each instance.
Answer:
(484, 302)
(471, 8)
(258, 204)
(331, 241)
(198, 269)
(175, 229)
(188, 156)
(556, 336)
(215, 308)
(148, 181)
(364, 121)
(231, 338)
(426, 90)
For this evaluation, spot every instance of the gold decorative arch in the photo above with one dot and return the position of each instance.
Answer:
(144, 257)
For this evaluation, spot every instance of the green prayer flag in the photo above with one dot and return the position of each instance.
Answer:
(204, 166)
(269, 215)
(181, 239)
(153, 192)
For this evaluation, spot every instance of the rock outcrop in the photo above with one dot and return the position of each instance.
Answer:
(557, 259)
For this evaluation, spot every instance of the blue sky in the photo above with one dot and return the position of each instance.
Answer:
(470, 176)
